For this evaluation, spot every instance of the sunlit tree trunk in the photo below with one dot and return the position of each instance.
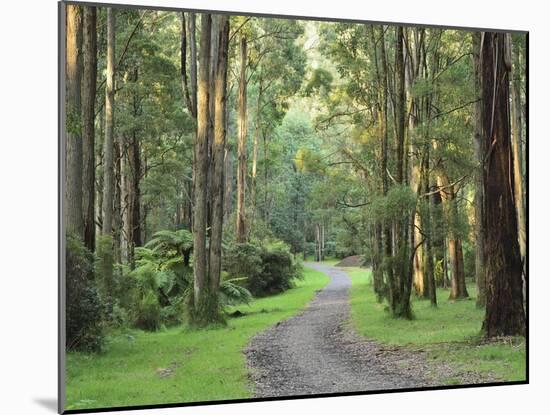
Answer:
(253, 184)
(504, 314)
(517, 138)
(200, 312)
(218, 149)
(108, 143)
(241, 146)
(73, 192)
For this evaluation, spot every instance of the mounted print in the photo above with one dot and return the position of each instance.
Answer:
(269, 207)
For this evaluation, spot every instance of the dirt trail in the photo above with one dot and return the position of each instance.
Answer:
(315, 353)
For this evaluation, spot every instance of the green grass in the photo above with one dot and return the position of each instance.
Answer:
(450, 333)
(202, 364)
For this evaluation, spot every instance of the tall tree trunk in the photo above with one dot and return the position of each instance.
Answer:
(504, 314)
(108, 153)
(428, 260)
(201, 309)
(454, 243)
(257, 132)
(391, 288)
(517, 133)
(400, 104)
(377, 272)
(189, 83)
(400, 302)
(189, 86)
(218, 148)
(241, 147)
(73, 192)
(228, 177)
(134, 196)
(117, 208)
(214, 44)
(125, 191)
(480, 155)
(108, 143)
(89, 47)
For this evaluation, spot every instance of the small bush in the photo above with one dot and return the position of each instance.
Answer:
(266, 270)
(330, 249)
(241, 260)
(84, 307)
(310, 248)
(148, 312)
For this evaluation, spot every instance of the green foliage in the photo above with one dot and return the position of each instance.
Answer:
(100, 381)
(241, 260)
(84, 307)
(397, 205)
(231, 293)
(171, 243)
(319, 83)
(148, 312)
(265, 269)
(161, 275)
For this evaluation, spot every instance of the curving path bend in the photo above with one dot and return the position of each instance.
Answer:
(314, 353)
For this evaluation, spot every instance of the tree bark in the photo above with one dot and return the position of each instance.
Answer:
(504, 314)
(108, 153)
(384, 162)
(454, 243)
(218, 148)
(257, 131)
(200, 307)
(480, 155)
(214, 45)
(517, 138)
(89, 47)
(241, 147)
(228, 177)
(400, 299)
(108, 143)
(73, 192)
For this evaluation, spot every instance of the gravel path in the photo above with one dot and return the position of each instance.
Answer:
(314, 352)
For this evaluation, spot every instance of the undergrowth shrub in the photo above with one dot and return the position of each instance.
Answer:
(84, 307)
(263, 269)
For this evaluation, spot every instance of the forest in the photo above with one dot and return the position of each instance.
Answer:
(221, 172)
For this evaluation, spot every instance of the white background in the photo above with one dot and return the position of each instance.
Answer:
(28, 203)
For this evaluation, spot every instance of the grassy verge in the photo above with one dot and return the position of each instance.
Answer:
(179, 365)
(450, 332)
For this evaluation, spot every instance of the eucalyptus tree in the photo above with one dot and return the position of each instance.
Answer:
(89, 76)
(504, 311)
(73, 140)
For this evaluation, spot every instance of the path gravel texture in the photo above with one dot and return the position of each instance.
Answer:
(315, 352)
